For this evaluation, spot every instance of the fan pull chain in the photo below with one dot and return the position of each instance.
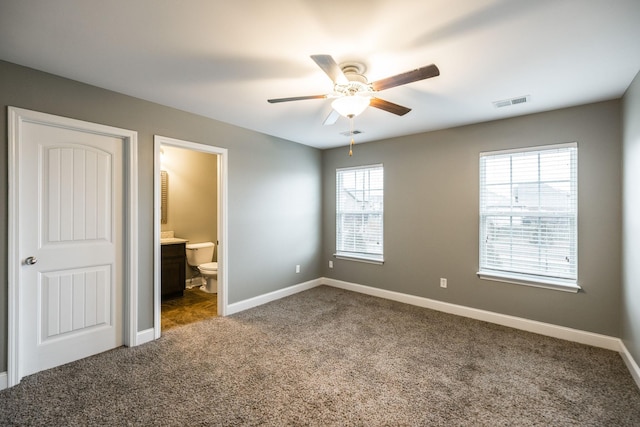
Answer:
(352, 142)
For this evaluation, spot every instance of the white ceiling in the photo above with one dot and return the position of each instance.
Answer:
(224, 58)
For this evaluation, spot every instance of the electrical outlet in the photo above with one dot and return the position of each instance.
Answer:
(298, 268)
(443, 282)
(330, 264)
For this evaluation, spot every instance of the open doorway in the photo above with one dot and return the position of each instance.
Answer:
(198, 206)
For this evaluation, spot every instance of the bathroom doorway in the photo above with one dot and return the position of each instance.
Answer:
(190, 207)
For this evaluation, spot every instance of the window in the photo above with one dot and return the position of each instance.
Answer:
(529, 215)
(359, 213)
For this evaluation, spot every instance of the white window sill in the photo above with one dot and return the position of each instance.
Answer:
(556, 285)
(365, 259)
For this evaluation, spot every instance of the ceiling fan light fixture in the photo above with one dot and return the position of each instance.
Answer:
(351, 106)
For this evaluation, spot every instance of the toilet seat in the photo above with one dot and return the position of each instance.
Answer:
(209, 267)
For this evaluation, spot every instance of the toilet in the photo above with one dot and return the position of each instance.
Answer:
(199, 255)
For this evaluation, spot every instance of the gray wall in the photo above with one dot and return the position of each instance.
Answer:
(274, 185)
(431, 216)
(631, 222)
(282, 196)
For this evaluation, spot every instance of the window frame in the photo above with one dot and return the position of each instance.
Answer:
(365, 257)
(567, 284)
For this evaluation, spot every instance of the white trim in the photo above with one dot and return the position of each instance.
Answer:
(632, 365)
(588, 338)
(509, 273)
(547, 329)
(3, 380)
(554, 285)
(533, 148)
(156, 238)
(223, 240)
(359, 254)
(365, 259)
(131, 240)
(348, 168)
(569, 334)
(13, 297)
(272, 296)
(145, 336)
(17, 116)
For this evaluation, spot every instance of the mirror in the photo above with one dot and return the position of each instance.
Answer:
(164, 194)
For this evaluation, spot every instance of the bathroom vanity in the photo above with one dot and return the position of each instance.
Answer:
(173, 267)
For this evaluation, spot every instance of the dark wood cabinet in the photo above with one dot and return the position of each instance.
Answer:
(173, 269)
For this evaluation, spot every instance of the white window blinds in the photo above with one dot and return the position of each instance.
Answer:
(359, 212)
(529, 213)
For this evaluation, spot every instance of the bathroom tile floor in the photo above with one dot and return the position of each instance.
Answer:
(194, 306)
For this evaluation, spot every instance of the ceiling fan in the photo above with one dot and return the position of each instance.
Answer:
(353, 93)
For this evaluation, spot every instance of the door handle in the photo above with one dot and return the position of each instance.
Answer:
(30, 260)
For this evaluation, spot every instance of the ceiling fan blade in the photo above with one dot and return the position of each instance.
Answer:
(408, 77)
(389, 106)
(331, 68)
(296, 98)
(331, 118)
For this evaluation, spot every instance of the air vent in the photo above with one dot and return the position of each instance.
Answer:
(513, 101)
(349, 133)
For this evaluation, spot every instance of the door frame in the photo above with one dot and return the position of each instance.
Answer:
(223, 246)
(17, 116)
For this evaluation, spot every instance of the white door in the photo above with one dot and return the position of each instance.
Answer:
(71, 239)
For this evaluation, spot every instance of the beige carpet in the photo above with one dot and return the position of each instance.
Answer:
(331, 357)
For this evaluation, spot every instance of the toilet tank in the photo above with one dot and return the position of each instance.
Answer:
(199, 253)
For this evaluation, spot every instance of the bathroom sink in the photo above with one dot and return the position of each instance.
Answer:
(167, 238)
(172, 240)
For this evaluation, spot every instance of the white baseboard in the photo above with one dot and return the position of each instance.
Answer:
(145, 336)
(547, 329)
(569, 334)
(237, 307)
(631, 364)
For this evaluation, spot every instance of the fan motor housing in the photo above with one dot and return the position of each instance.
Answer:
(354, 72)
